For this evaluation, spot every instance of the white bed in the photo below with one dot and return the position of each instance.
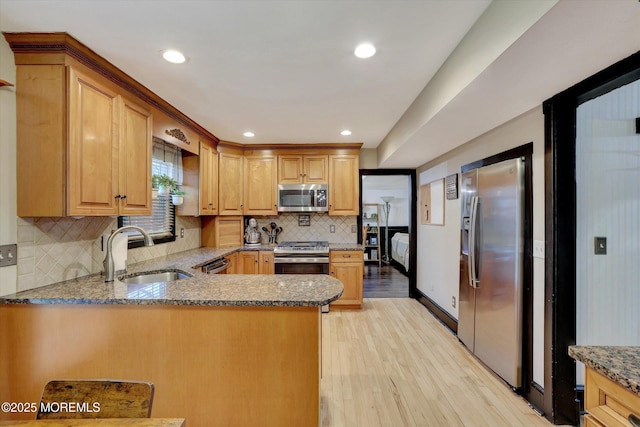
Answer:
(400, 249)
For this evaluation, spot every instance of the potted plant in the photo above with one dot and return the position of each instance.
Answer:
(164, 183)
(177, 197)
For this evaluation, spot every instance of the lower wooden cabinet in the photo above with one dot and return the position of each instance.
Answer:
(607, 403)
(233, 263)
(255, 262)
(266, 259)
(348, 267)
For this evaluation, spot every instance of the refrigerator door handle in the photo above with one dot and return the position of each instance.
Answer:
(473, 274)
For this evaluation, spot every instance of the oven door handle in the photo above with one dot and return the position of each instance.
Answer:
(315, 260)
(217, 267)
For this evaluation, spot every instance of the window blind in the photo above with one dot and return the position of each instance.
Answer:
(167, 160)
(160, 224)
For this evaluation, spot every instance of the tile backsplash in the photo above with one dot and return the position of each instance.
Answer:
(51, 250)
(319, 227)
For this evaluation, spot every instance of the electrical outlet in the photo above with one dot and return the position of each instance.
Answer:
(538, 249)
(182, 232)
(453, 302)
(354, 228)
(332, 228)
(8, 255)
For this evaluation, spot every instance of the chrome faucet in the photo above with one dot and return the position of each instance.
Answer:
(109, 267)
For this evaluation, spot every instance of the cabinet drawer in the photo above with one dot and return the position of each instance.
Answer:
(346, 256)
(607, 403)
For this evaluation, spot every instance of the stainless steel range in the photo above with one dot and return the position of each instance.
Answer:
(302, 257)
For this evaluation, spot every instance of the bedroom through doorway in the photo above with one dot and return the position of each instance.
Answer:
(385, 227)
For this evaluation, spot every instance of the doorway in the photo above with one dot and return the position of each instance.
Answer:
(561, 231)
(386, 229)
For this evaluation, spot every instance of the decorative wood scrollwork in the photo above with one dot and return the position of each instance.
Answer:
(178, 134)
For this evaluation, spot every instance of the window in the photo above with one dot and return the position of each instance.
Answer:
(167, 159)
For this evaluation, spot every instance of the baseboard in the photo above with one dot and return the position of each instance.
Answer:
(440, 313)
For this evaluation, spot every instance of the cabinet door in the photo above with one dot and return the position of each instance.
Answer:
(204, 187)
(316, 169)
(350, 274)
(343, 185)
(208, 187)
(290, 169)
(135, 160)
(233, 263)
(230, 184)
(260, 185)
(248, 262)
(93, 117)
(266, 262)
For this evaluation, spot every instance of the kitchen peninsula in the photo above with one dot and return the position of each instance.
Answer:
(220, 349)
(612, 386)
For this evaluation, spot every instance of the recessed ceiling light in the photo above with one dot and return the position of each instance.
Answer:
(249, 134)
(174, 56)
(365, 50)
(345, 132)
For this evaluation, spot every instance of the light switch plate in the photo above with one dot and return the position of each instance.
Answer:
(600, 245)
(538, 249)
(8, 255)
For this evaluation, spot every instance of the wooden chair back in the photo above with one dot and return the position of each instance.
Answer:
(74, 399)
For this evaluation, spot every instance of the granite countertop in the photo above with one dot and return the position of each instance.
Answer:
(345, 247)
(620, 364)
(199, 289)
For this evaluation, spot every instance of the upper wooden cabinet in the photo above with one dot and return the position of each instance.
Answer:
(230, 171)
(344, 188)
(260, 185)
(109, 151)
(208, 190)
(86, 155)
(84, 130)
(303, 169)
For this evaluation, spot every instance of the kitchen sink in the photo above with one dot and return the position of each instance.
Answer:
(155, 277)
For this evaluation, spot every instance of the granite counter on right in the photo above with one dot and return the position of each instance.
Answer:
(612, 384)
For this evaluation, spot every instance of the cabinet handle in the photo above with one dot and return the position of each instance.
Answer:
(124, 197)
(346, 256)
(117, 196)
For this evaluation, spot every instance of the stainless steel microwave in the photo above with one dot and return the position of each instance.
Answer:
(303, 198)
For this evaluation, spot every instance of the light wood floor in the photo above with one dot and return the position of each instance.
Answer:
(393, 364)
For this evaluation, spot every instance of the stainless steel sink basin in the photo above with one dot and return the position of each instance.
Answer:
(155, 277)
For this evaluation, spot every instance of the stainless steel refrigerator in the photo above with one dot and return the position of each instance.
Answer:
(491, 266)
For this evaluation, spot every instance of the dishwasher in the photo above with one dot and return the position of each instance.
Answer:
(218, 266)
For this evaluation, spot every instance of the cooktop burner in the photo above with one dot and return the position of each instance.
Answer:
(321, 246)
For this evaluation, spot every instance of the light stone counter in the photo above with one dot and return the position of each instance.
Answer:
(620, 364)
(200, 289)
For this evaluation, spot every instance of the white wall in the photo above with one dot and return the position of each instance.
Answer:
(400, 205)
(438, 246)
(608, 205)
(8, 228)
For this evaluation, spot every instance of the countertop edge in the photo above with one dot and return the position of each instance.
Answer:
(620, 364)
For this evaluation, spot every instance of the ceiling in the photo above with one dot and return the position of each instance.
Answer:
(286, 70)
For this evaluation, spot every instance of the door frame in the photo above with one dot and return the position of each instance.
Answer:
(413, 221)
(559, 398)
